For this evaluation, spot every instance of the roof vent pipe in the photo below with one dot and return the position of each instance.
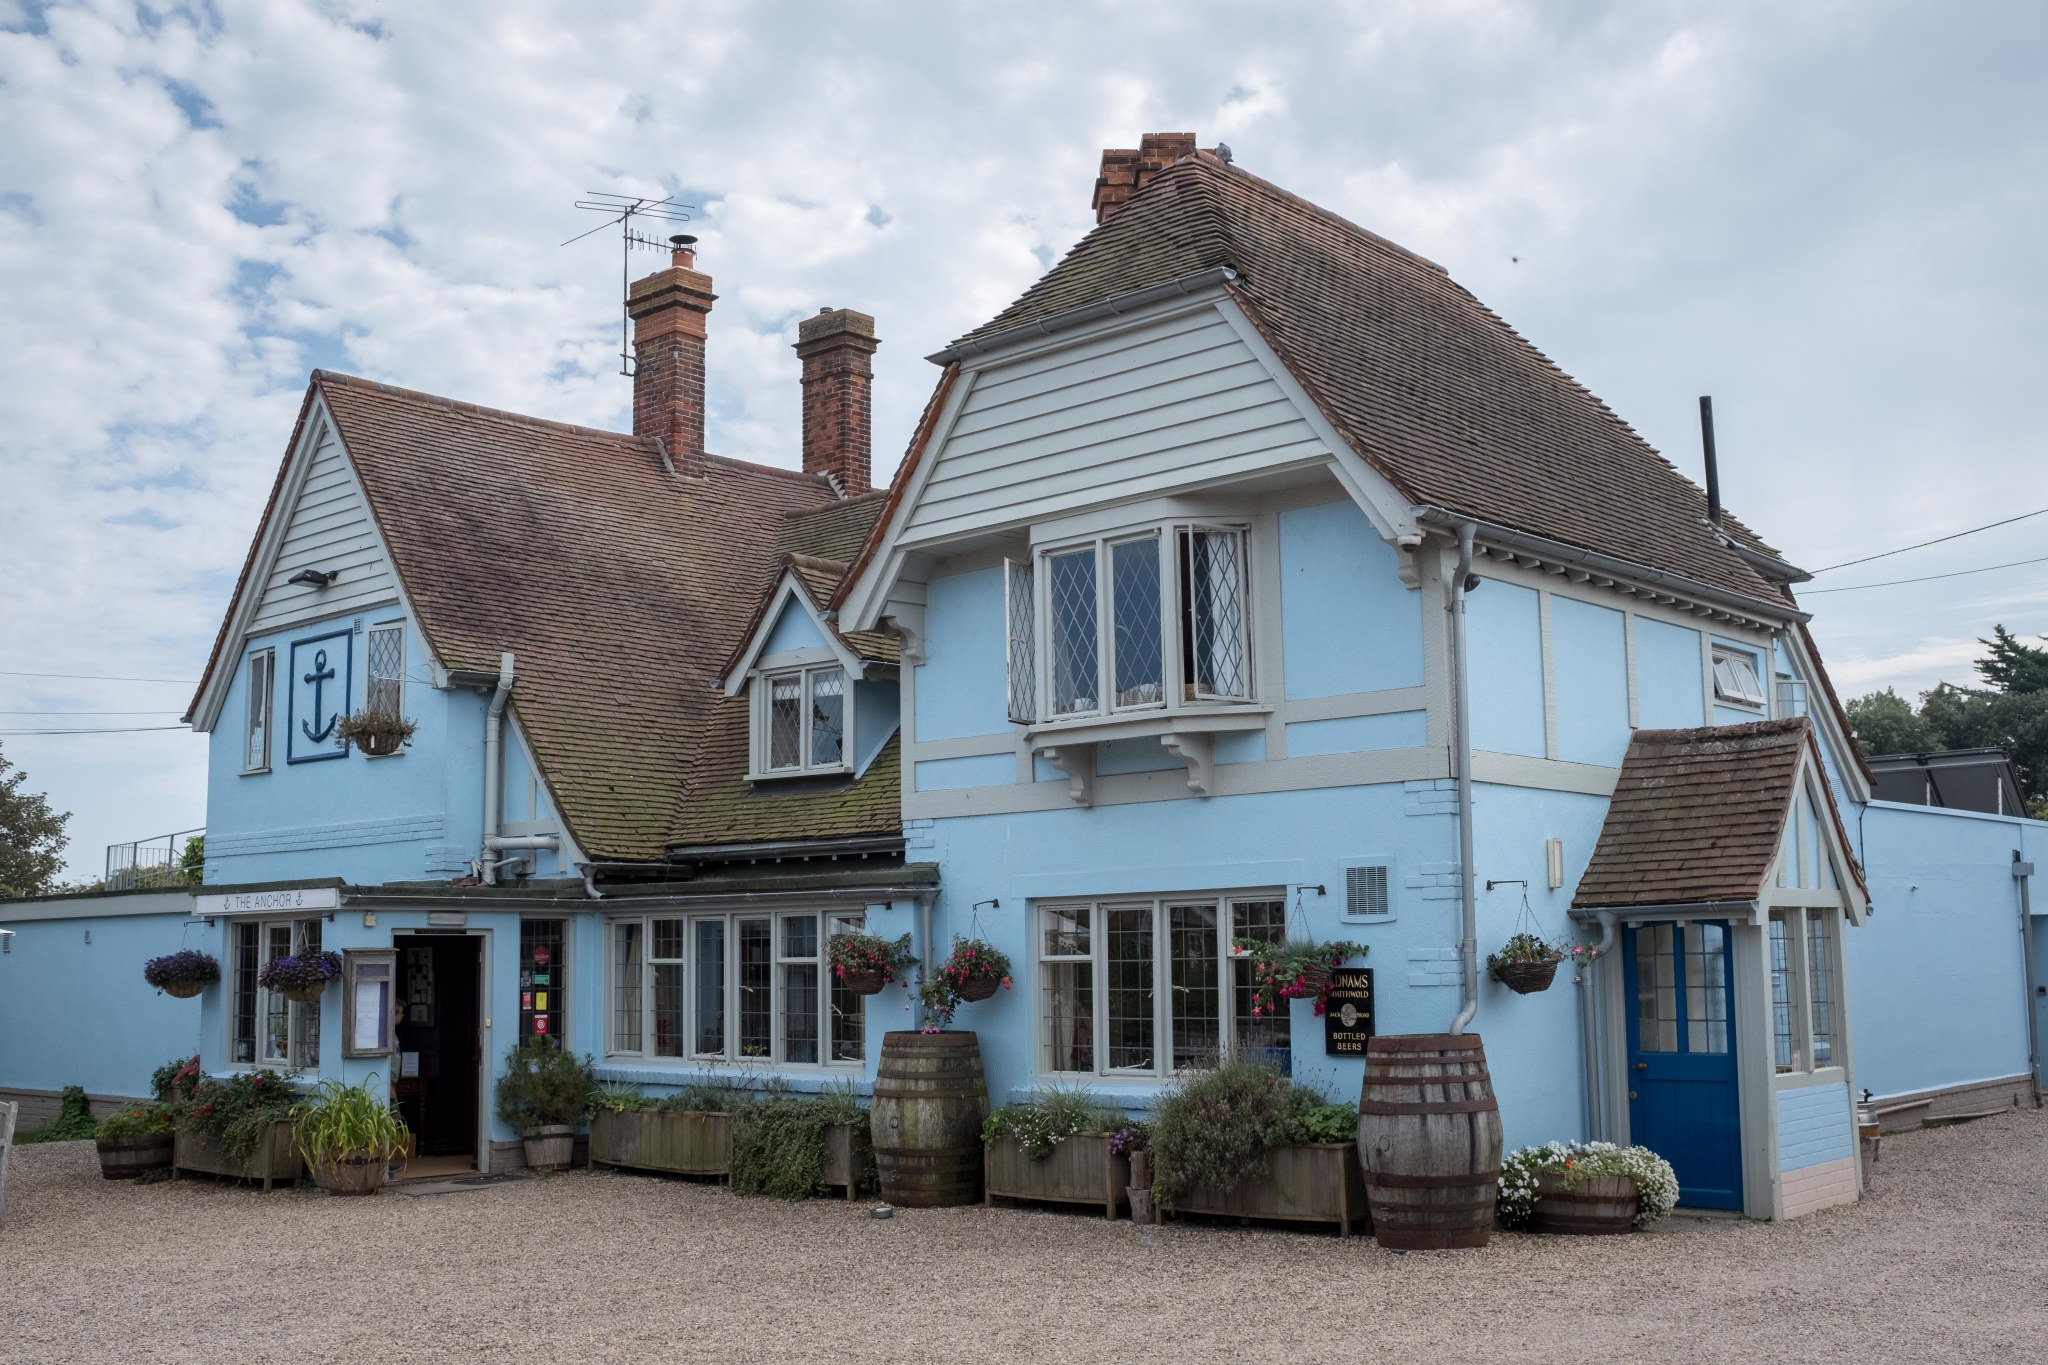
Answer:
(1713, 468)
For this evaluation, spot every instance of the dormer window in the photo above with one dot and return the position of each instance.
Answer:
(1148, 620)
(1735, 679)
(800, 721)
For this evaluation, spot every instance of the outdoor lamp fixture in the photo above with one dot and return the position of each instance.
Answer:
(315, 578)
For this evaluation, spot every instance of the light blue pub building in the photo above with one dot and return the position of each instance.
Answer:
(1245, 578)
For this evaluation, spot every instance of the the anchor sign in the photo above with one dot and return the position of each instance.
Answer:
(319, 677)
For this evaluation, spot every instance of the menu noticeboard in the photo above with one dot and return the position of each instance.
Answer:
(1347, 1014)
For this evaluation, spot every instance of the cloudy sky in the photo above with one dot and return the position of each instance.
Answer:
(1828, 215)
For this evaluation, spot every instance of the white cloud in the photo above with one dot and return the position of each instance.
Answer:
(1824, 214)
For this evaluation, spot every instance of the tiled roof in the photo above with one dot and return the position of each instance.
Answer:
(835, 531)
(1440, 395)
(722, 808)
(617, 585)
(1697, 816)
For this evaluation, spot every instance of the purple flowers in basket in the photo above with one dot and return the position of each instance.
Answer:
(186, 965)
(299, 971)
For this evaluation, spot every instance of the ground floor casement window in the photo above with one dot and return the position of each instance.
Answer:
(1804, 997)
(268, 1029)
(1148, 986)
(732, 987)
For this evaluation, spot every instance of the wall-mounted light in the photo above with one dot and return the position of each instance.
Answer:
(315, 578)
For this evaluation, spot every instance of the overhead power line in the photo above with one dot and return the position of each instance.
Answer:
(95, 677)
(90, 713)
(1929, 578)
(1923, 545)
(109, 730)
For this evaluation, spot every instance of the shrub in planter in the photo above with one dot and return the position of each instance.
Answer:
(545, 1091)
(1214, 1128)
(1049, 1118)
(864, 963)
(619, 1097)
(1292, 969)
(235, 1115)
(347, 1135)
(183, 974)
(134, 1140)
(779, 1144)
(174, 1082)
(300, 976)
(972, 971)
(375, 732)
(1528, 1174)
(1525, 963)
(1056, 1146)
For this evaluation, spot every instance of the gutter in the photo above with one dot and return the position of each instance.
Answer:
(1608, 566)
(1461, 691)
(1085, 313)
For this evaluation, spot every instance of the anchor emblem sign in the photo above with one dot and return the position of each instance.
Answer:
(320, 685)
(319, 677)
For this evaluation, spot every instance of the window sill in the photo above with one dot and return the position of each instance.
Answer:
(255, 772)
(1806, 1080)
(792, 774)
(1188, 734)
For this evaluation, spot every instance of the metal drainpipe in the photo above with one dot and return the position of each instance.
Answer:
(2027, 970)
(1592, 1061)
(1461, 692)
(494, 734)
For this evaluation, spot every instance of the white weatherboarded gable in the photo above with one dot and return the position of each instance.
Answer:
(1178, 403)
(329, 528)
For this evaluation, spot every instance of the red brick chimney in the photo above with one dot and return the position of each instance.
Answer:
(668, 310)
(837, 348)
(1126, 171)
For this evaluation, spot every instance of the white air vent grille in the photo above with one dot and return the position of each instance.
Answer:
(1365, 891)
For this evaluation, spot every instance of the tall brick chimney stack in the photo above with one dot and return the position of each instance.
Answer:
(1125, 171)
(837, 348)
(668, 310)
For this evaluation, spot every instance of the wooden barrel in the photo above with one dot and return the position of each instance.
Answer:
(1598, 1205)
(1429, 1139)
(930, 1102)
(124, 1158)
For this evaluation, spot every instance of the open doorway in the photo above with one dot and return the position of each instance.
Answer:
(440, 1048)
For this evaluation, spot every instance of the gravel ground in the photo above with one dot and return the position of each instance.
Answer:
(1946, 1259)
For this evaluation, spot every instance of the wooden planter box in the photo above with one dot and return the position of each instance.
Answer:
(272, 1161)
(1078, 1170)
(655, 1140)
(1318, 1183)
(842, 1157)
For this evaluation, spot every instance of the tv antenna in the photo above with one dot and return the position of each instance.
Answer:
(622, 209)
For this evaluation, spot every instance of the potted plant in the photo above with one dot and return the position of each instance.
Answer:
(240, 1127)
(348, 1135)
(1242, 1141)
(182, 974)
(1292, 969)
(686, 1132)
(300, 976)
(1055, 1147)
(864, 963)
(788, 1146)
(545, 1090)
(1525, 963)
(972, 971)
(135, 1140)
(1586, 1188)
(1133, 1142)
(376, 733)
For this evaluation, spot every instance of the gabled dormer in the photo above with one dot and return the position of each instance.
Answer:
(821, 702)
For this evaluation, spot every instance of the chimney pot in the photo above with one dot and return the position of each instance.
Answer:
(837, 348)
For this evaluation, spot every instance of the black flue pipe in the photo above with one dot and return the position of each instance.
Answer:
(1713, 469)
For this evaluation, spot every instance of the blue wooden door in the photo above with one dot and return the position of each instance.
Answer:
(1682, 1101)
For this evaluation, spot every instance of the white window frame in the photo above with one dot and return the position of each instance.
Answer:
(1097, 956)
(830, 922)
(397, 707)
(1179, 691)
(305, 936)
(762, 689)
(1729, 686)
(1799, 922)
(260, 721)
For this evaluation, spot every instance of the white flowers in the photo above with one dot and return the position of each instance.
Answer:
(1656, 1182)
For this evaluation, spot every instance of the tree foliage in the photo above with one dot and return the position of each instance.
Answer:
(2011, 714)
(32, 837)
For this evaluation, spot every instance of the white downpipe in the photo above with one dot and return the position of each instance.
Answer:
(1461, 693)
(1592, 1056)
(494, 763)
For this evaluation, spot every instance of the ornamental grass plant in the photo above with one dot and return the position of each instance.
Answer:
(340, 1121)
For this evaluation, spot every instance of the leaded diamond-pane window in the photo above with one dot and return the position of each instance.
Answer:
(1216, 646)
(785, 721)
(1020, 609)
(1134, 614)
(828, 717)
(386, 654)
(1071, 602)
(806, 715)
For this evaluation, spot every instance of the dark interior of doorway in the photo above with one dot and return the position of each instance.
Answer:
(440, 982)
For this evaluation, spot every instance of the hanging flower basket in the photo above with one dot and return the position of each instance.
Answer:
(973, 971)
(301, 976)
(978, 987)
(1526, 978)
(864, 963)
(863, 983)
(376, 733)
(182, 974)
(1292, 969)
